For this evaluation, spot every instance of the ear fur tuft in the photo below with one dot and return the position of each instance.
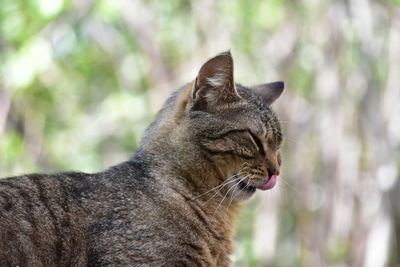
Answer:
(215, 84)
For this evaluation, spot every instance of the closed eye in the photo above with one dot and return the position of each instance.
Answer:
(258, 143)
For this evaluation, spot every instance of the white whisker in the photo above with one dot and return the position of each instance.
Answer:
(234, 195)
(227, 192)
(228, 181)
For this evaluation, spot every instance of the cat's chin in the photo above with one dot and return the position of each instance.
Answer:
(246, 190)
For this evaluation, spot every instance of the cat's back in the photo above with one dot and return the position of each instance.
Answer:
(42, 221)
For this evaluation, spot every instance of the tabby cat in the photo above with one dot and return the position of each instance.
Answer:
(212, 145)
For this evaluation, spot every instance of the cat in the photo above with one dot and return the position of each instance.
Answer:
(174, 203)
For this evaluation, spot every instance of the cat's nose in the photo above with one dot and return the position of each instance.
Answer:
(272, 171)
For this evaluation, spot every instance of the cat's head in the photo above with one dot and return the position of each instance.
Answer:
(233, 126)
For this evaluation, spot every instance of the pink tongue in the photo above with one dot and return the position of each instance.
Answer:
(269, 184)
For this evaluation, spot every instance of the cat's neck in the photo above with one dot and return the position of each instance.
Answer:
(189, 173)
(183, 190)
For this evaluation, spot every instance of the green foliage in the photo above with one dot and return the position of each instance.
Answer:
(80, 81)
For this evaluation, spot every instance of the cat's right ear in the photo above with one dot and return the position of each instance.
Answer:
(214, 85)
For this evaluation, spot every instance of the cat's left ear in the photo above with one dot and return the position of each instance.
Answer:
(269, 91)
(214, 85)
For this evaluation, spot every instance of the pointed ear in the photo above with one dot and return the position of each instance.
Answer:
(269, 91)
(214, 84)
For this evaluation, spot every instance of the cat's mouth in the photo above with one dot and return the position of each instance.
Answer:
(268, 184)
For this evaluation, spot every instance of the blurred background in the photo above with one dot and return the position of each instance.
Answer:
(81, 79)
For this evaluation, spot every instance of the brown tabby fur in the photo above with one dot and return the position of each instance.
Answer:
(173, 204)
